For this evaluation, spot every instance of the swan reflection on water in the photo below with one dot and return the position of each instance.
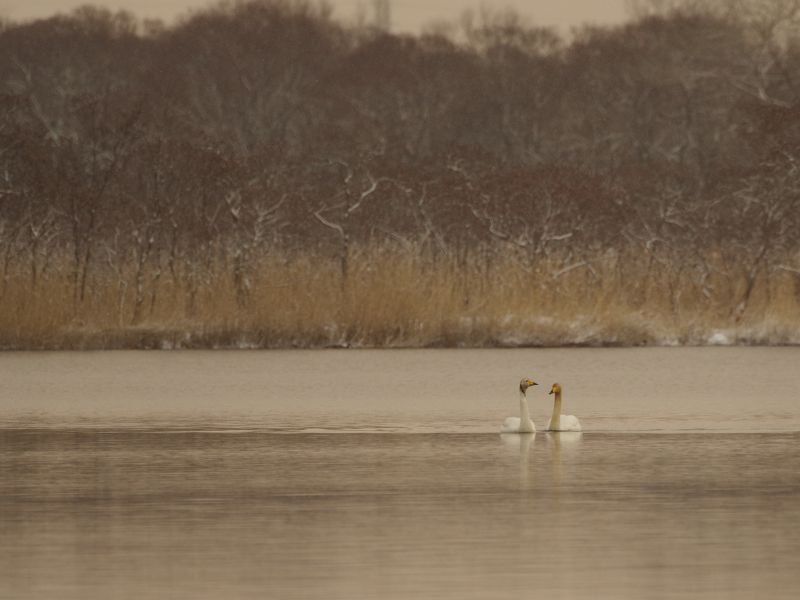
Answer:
(521, 442)
(561, 441)
(560, 444)
(518, 441)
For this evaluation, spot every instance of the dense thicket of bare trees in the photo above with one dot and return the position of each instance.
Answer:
(144, 157)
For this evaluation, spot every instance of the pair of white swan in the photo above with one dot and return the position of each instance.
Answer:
(524, 424)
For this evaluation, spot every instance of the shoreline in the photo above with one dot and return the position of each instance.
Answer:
(144, 339)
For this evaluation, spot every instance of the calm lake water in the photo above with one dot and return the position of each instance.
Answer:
(380, 474)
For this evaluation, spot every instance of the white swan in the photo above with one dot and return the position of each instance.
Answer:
(559, 422)
(522, 423)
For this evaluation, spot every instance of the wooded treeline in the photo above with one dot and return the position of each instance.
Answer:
(260, 159)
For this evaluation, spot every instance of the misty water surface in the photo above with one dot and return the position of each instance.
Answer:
(364, 474)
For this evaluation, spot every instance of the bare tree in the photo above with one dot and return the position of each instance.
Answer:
(355, 187)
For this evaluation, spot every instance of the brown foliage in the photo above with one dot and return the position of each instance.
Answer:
(143, 168)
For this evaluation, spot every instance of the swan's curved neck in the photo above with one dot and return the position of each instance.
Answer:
(524, 415)
(555, 420)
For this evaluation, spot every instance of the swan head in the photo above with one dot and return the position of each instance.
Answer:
(525, 383)
(556, 389)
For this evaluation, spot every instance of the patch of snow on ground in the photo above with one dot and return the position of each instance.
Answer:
(719, 338)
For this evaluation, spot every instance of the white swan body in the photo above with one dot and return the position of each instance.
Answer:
(522, 423)
(559, 422)
(565, 423)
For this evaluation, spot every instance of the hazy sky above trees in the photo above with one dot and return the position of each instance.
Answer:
(407, 15)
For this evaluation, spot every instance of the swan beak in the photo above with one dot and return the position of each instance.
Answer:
(550, 393)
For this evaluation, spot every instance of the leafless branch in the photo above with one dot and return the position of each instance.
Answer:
(327, 223)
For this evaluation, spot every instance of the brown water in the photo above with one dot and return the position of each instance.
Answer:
(379, 474)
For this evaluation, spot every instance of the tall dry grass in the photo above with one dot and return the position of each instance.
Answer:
(403, 299)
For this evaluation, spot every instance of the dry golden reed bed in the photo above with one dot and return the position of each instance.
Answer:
(400, 299)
